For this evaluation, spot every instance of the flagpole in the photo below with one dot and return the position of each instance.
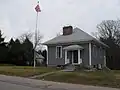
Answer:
(35, 37)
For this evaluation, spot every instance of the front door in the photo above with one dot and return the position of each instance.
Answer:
(75, 56)
(69, 56)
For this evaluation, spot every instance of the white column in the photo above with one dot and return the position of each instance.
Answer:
(105, 61)
(104, 58)
(79, 59)
(66, 57)
(90, 54)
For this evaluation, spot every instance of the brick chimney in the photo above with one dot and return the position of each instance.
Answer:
(67, 30)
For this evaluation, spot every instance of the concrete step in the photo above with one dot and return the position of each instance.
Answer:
(69, 68)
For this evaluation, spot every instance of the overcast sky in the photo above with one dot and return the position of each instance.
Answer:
(18, 16)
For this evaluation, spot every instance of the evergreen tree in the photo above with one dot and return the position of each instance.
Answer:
(28, 51)
(11, 43)
(17, 53)
(10, 55)
(1, 39)
(3, 49)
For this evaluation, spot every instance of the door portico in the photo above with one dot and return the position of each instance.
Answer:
(73, 54)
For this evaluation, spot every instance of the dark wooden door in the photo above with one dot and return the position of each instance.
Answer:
(69, 56)
(75, 56)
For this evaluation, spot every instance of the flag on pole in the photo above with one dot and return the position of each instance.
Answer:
(37, 8)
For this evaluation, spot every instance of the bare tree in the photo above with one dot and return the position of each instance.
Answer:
(34, 38)
(38, 40)
(109, 29)
(109, 33)
(25, 35)
(95, 34)
(58, 34)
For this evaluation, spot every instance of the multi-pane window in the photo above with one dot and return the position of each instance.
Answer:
(59, 52)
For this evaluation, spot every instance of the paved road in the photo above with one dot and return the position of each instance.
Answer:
(18, 83)
(9, 86)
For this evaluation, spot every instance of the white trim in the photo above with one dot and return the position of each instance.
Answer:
(66, 57)
(47, 55)
(72, 57)
(104, 60)
(61, 51)
(79, 61)
(90, 54)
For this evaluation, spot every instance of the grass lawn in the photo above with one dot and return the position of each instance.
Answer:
(98, 78)
(24, 71)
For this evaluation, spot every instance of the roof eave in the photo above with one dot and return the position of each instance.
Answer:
(75, 42)
(106, 46)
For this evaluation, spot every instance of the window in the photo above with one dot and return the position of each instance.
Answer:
(59, 52)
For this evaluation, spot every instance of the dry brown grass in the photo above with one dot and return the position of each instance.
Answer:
(97, 78)
(24, 71)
